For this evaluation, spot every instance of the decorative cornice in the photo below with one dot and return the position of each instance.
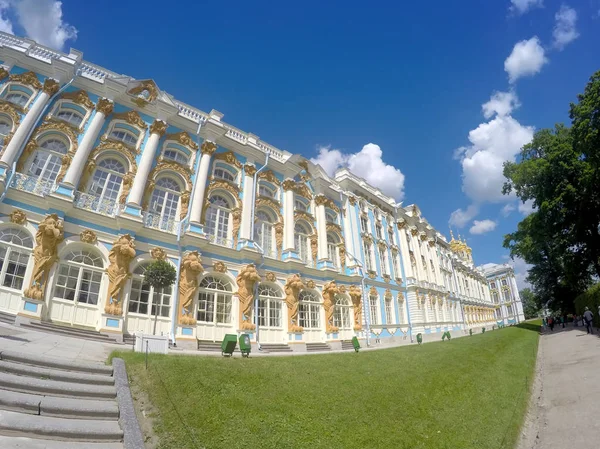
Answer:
(208, 147)
(79, 97)
(147, 85)
(158, 127)
(3, 73)
(229, 157)
(88, 236)
(304, 215)
(271, 204)
(105, 106)
(133, 118)
(18, 216)
(184, 139)
(183, 170)
(269, 176)
(27, 78)
(51, 86)
(322, 200)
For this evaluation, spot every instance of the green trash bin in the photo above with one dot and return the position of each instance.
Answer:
(355, 343)
(483, 330)
(245, 346)
(470, 331)
(228, 344)
(419, 338)
(448, 335)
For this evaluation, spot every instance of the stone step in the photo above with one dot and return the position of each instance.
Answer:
(313, 347)
(211, 346)
(56, 388)
(68, 331)
(49, 362)
(34, 404)
(83, 430)
(54, 374)
(347, 344)
(7, 442)
(273, 347)
(7, 318)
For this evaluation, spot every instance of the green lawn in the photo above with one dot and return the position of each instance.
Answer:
(470, 392)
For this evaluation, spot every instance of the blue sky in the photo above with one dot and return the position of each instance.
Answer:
(410, 78)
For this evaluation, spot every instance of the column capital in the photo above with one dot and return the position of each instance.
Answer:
(158, 127)
(50, 86)
(289, 184)
(3, 73)
(105, 106)
(249, 170)
(321, 200)
(208, 147)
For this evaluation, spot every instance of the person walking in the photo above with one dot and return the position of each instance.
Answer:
(588, 317)
(551, 323)
(562, 321)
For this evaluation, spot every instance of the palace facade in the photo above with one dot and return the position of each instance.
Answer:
(504, 292)
(100, 174)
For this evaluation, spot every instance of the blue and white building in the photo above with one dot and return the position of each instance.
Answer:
(108, 156)
(504, 293)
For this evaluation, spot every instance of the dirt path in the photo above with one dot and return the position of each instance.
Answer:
(566, 392)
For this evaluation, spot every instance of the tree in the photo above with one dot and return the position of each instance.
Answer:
(531, 303)
(159, 274)
(558, 172)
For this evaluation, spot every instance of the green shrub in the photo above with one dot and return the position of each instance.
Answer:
(591, 299)
(160, 274)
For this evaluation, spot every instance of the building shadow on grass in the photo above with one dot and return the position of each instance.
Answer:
(530, 327)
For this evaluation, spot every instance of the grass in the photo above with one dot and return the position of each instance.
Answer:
(470, 392)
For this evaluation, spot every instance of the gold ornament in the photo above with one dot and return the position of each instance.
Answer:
(27, 78)
(219, 267)
(208, 147)
(329, 291)
(229, 157)
(184, 139)
(191, 268)
(79, 97)
(133, 118)
(310, 284)
(105, 106)
(270, 276)
(269, 176)
(249, 170)
(158, 127)
(292, 290)
(19, 217)
(51, 86)
(88, 236)
(158, 253)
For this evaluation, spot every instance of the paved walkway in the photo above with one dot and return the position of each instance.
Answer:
(567, 393)
(15, 338)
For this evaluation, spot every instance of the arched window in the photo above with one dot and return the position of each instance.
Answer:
(221, 173)
(310, 309)
(46, 161)
(301, 243)
(332, 248)
(389, 311)
(331, 216)
(70, 115)
(172, 154)
(15, 248)
(164, 204)
(217, 219)
(124, 136)
(341, 313)
(106, 184)
(265, 190)
(374, 309)
(270, 299)
(300, 205)
(263, 232)
(214, 301)
(79, 277)
(141, 292)
(5, 127)
(17, 94)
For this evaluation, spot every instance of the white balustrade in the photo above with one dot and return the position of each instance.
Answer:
(31, 184)
(157, 221)
(94, 203)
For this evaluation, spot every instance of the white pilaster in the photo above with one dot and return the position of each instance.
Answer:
(288, 215)
(103, 108)
(208, 148)
(248, 186)
(321, 229)
(405, 256)
(157, 129)
(349, 241)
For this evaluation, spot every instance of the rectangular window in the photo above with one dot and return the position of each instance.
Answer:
(15, 268)
(161, 302)
(504, 282)
(382, 261)
(373, 309)
(138, 300)
(391, 236)
(332, 253)
(378, 231)
(367, 250)
(493, 285)
(400, 311)
(309, 315)
(364, 224)
(396, 268)
(389, 311)
(206, 308)
(223, 308)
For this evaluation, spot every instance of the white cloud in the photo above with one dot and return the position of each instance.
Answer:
(40, 20)
(459, 218)
(521, 271)
(522, 6)
(526, 208)
(565, 30)
(507, 209)
(526, 59)
(501, 103)
(367, 164)
(482, 227)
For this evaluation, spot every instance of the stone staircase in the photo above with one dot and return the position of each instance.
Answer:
(76, 332)
(317, 347)
(8, 319)
(347, 345)
(275, 347)
(211, 346)
(53, 404)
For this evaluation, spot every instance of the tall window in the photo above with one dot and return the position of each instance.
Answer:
(263, 233)
(269, 306)
(507, 295)
(301, 244)
(141, 292)
(164, 203)
(509, 309)
(341, 313)
(374, 309)
(400, 311)
(15, 248)
(107, 180)
(378, 231)
(498, 314)
(391, 236)
(222, 173)
(367, 247)
(433, 276)
(397, 272)
(47, 159)
(382, 260)
(265, 190)
(300, 205)
(214, 301)
(364, 224)
(79, 277)
(332, 249)
(310, 309)
(493, 285)
(217, 219)
(389, 311)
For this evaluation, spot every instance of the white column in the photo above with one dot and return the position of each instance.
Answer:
(288, 214)
(10, 152)
(404, 254)
(157, 129)
(349, 241)
(417, 250)
(208, 148)
(248, 186)
(321, 227)
(103, 108)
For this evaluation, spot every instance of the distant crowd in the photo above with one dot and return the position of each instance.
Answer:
(586, 320)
